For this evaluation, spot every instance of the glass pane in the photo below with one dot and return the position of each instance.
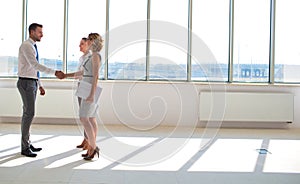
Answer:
(80, 25)
(287, 39)
(10, 36)
(50, 14)
(127, 39)
(211, 25)
(251, 40)
(169, 41)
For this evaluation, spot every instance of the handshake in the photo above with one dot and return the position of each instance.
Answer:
(60, 74)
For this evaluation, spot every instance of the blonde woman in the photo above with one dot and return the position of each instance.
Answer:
(88, 108)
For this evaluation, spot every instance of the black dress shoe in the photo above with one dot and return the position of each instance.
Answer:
(35, 149)
(28, 153)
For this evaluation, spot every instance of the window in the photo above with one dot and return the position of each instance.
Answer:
(251, 40)
(80, 24)
(287, 39)
(169, 41)
(127, 51)
(211, 29)
(50, 14)
(168, 46)
(10, 36)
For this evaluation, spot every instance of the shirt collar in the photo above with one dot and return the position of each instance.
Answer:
(31, 41)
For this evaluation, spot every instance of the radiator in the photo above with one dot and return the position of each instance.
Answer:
(246, 106)
(55, 104)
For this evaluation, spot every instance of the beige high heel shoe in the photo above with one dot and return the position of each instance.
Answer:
(82, 144)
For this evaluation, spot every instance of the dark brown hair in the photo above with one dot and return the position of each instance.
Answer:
(33, 26)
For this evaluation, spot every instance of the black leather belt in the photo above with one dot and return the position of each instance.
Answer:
(25, 78)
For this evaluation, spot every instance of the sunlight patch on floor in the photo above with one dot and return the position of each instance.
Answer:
(229, 155)
(10, 141)
(168, 155)
(71, 158)
(114, 149)
(284, 157)
(155, 154)
(52, 147)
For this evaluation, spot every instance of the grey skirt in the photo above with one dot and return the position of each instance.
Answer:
(87, 109)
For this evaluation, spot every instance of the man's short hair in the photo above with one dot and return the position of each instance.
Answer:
(33, 26)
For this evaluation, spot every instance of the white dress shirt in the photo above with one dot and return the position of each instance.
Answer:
(27, 63)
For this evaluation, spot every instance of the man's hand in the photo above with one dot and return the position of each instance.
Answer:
(42, 91)
(60, 74)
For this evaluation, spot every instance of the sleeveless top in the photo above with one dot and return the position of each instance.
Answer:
(88, 68)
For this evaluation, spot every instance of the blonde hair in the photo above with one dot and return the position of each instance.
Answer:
(97, 43)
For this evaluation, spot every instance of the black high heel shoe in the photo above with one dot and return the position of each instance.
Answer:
(90, 157)
(85, 155)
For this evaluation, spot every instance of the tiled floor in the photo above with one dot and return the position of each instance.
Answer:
(166, 155)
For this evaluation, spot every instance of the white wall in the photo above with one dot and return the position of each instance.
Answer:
(134, 103)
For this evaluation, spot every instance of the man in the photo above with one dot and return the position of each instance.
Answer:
(28, 73)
